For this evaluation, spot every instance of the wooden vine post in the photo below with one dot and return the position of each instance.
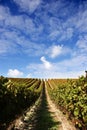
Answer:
(86, 75)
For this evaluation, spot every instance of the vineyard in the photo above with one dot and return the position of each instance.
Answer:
(18, 96)
(71, 97)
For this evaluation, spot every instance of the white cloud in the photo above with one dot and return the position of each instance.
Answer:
(60, 30)
(55, 51)
(82, 43)
(3, 47)
(11, 41)
(72, 25)
(68, 68)
(79, 21)
(66, 34)
(59, 8)
(76, 63)
(7, 47)
(46, 63)
(29, 75)
(58, 70)
(13, 35)
(28, 5)
(17, 31)
(14, 73)
(29, 26)
(54, 34)
(4, 12)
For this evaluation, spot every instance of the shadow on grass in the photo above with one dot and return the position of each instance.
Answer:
(44, 119)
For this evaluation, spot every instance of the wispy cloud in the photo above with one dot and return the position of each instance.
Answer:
(51, 30)
(46, 63)
(4, 12)
(14, 73)
(82, 43)
(29, 75)
(69, 68)
(59, 30)
(66, 34)
(54, 50)
(32, 29)
(28, 5)
(13, 39)
(66, 29)
(7, 47)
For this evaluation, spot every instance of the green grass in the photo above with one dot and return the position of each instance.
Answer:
(45, 120)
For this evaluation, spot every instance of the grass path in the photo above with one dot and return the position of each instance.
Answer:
(45, 120)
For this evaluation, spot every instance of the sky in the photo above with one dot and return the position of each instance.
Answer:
(43, 38)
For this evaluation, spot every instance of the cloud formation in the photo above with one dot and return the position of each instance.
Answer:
(28, 5)
(54, 30)
(55, 51)
(14, 73)
(46, 63)
(68, 68)
(82, 43)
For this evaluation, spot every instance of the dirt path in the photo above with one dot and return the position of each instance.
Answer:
(27, 121)
(57, 114)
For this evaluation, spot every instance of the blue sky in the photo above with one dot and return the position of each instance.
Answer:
(43, 38)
